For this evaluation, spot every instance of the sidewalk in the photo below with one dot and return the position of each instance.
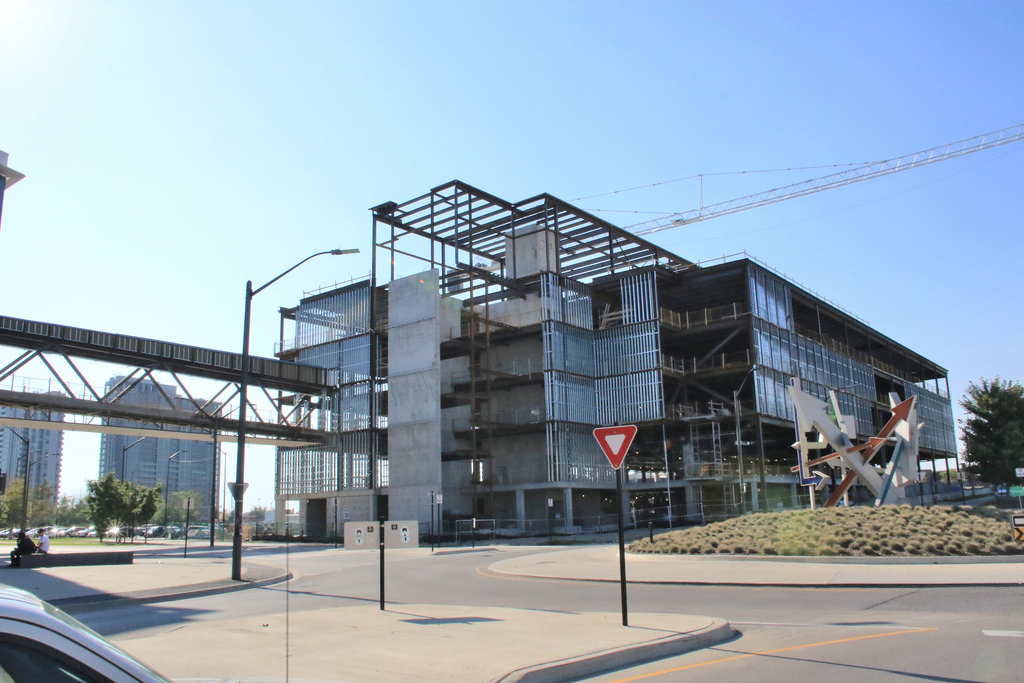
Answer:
(452, 643)
(600, 563)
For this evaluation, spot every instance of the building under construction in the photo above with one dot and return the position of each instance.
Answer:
(492, 337)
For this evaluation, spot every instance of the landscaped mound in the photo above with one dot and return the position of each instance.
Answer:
(889, 530)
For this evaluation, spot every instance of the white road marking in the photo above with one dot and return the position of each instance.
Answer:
(1003, 634)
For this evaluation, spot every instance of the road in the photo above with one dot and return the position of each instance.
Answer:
(883, 634)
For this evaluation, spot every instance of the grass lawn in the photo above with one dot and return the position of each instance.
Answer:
(903, 530)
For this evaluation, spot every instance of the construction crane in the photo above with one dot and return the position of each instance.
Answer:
(855, 175)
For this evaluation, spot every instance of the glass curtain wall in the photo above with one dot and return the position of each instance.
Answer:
(936, 412)
(781, 353)
(333, 331)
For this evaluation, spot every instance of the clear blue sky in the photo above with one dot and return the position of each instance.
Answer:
(175, 150)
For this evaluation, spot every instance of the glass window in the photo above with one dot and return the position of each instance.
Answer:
(24, 663)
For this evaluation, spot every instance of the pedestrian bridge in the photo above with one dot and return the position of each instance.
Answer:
(297, 413)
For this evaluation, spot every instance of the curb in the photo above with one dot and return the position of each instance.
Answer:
(87, 603)
(763, 584)
(595, 663)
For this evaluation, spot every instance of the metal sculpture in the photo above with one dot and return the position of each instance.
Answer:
(820, 426)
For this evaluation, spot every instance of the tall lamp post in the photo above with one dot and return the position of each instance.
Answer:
(24, 482)
(739, 437)
(237, 489)
(167, 487)
(124, 451)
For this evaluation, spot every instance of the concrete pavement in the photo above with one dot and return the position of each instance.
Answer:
(452, 643)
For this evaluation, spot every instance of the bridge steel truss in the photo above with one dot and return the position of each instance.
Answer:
(300, 394)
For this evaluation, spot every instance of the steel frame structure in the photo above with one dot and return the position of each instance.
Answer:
(296, 417)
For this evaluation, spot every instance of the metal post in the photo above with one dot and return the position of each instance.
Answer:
(668, 474)
(213, 489)
(380, 533)
(24, 493)
(124, 450)
(739, 448)
(167, 488)
(622, 546)
(188, 517)
(24, 483)
(960, 478)
(243, 390)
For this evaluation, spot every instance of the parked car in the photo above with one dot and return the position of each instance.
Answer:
(38, 642)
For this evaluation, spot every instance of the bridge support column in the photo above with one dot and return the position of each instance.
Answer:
(280, 505)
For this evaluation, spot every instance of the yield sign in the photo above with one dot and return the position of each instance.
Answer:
(615, 441)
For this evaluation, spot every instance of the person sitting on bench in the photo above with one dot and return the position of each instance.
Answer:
(25, 547)
(44, 544)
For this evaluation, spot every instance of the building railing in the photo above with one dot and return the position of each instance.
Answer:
(718, 361)
(701, 318)
(683, 411)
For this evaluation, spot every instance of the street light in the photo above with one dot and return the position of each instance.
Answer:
(24, 483)
(8, 176)
(739, 437)
(124, 450)
(167, 486)
(239, 486)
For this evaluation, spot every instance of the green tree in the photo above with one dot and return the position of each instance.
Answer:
(42, 510)
(112, 501)
(106, 501)
(72, 511)
(40, 505)
(12, 501)
(176, 507)
(993, 431)
(141, 503)
(5, 517)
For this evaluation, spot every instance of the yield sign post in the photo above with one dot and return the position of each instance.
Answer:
(615, 442)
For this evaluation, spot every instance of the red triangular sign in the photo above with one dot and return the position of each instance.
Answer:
(615, 442)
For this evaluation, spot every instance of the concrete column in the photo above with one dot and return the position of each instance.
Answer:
(692, 500)
(567, 507)
(279, 515)
(520, 510)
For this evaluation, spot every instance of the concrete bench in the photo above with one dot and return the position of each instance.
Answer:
(61, 559)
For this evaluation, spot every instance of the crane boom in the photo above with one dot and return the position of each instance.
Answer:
(853, 175)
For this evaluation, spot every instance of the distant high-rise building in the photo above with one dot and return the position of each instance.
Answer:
(177, 464)
(45, 450)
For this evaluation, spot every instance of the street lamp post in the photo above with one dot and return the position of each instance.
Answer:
(167, 486)
(124, 451)
(739, 437)
(24, 483)
(239, 486)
